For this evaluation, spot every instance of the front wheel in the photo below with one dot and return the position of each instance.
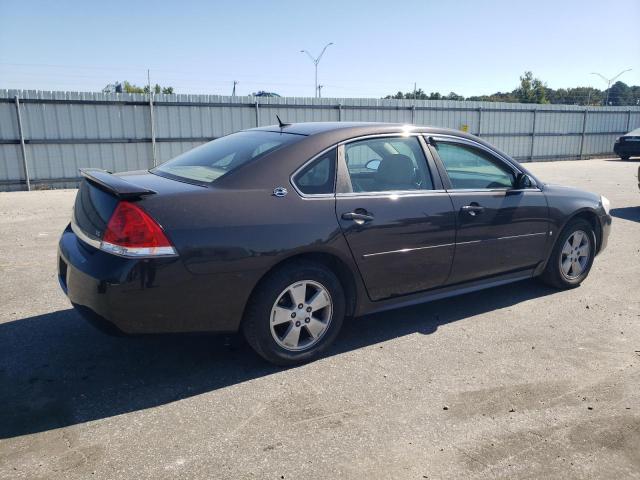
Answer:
(295, 313)
(572, 256)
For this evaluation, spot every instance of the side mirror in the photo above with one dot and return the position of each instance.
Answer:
(522, 181)
(372, 164)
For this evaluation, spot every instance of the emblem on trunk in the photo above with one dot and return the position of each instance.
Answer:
(280, 192)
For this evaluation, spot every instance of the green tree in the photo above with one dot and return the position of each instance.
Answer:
(131, 88)
(453, 96)
(534, 90)
(575, 96)
(619, 94)
(531, 90)
(128, 87)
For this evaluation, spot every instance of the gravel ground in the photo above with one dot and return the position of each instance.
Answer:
(519, 381)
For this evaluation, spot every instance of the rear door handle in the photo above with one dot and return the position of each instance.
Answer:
(473, 209)
(360, 216)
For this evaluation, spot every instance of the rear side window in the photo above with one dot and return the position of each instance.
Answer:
(208, 162)
(319, 176)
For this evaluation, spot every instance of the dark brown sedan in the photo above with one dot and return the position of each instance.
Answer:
(284, 231)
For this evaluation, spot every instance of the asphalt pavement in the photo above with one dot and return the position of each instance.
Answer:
(519, 381)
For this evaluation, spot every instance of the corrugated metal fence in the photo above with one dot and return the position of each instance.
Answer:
(45, 137)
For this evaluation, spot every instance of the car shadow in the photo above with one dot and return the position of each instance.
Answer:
(56, 370)
(628, 160)
(627, 213)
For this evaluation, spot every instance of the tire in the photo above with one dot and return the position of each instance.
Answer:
(272, 316)
(554, 274)
(625, 158)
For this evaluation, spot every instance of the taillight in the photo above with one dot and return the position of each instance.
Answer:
(131, 232)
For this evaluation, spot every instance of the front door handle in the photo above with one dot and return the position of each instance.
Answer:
(473, 209)
(359, 216)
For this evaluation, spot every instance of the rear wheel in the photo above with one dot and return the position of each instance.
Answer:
(295, 313)
(572, 256)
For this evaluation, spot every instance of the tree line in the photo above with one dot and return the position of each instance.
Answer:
(534, 90)
(127, 87)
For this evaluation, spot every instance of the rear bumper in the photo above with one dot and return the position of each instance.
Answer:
(138, 296)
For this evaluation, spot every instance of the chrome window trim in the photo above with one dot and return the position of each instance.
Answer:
(422, 136)
(381, 135)
(473, 143)
(392, 193)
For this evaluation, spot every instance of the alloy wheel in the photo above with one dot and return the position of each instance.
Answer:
(574, 257)
(301, 315)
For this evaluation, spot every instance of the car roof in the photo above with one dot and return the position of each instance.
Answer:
(354, 129)
(633, 133)
(317, 136)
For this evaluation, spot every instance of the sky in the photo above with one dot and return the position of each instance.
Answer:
(380, 47)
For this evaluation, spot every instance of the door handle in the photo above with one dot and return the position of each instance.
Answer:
(360, 216)
(472, 209)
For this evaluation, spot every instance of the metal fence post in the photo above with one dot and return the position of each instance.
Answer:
(257, 115)
(339, 112)
(628, 120)
(153, 131)
(479, 121)
(25, 166)
(533, 134)
(413, 114)
(584, 130)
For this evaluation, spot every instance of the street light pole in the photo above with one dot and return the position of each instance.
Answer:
(316, 61)
(610, 81)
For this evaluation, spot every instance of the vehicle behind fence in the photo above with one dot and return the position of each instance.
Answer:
(45, 137)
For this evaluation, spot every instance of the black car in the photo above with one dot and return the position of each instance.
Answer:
(628, 145)
(284, 231)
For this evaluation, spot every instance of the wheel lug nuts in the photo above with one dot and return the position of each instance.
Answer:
(293, 315)
(307, 320)
(300, 306)
(308, 309)
(297, 324)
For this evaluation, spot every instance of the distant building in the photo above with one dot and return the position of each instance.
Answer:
(113, 88)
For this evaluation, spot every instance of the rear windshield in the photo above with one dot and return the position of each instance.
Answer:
(208, 162)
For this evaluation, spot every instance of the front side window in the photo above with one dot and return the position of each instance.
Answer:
(472, 168)
(208, 162)
(319, 176)
(387, 164)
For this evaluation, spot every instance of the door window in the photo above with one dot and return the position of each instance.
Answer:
(472, 168)
(387, 164)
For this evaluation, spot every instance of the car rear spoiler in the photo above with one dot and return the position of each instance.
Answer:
(114, 184)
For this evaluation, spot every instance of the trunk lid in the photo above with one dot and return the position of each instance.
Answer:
(100, 192)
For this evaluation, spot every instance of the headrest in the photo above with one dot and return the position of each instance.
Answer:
(395, 169)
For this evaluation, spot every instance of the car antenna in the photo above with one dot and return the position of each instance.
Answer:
(281, 123)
